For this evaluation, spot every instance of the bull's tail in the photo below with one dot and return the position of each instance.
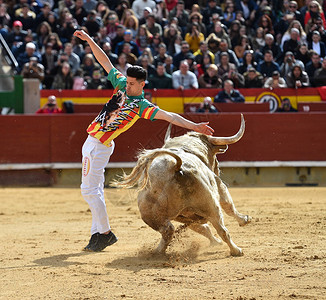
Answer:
(139, 173)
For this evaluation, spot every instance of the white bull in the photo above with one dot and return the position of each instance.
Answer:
(181, 182)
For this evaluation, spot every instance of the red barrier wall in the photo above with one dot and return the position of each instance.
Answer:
(268, 137)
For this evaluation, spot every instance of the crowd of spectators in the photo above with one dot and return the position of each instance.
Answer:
(182, 44)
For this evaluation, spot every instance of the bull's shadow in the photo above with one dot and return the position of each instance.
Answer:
(147, 259)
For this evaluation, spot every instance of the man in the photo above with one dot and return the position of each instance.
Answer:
(118, 114)
(139, 5)
(152, 26)
(161, 56)
(267, 66)
(312, 66)
(160, 80)
(182, 55)
(200, 53)
(183, 79)
(319, 78)
(181, 14)
(33, 69)
(275, 81)
(293, 43)
(289, 62)
(50, 107)
(73, 58)
(224, 47)
(127, 38)
(210, 10)
(270, 44)
(253, 79)
(229, 95)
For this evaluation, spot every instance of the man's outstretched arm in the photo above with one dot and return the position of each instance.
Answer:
(182, 122)
(100, 55)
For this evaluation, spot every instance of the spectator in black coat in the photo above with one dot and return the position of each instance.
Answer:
(292, 44)
(317, 45)
(312, 66)
(268, 66)
(229, 95)
(253, 79)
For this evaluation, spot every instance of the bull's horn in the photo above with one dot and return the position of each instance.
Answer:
(230, 139)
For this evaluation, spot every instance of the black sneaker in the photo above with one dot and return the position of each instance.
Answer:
(103, 241)
(92, 241)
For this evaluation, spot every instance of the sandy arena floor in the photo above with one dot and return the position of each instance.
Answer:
(44, 229)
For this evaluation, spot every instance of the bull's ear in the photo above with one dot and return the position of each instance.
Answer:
(222, 149)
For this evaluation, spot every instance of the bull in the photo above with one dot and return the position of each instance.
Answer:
(181, 182)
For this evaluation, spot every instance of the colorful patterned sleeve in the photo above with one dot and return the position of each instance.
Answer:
(148, 110)
(118, 81)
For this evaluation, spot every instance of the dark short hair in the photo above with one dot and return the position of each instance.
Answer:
(137, 72)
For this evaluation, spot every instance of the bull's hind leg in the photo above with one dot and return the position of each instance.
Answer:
(218, 223)
(152, 214)
(228, 205)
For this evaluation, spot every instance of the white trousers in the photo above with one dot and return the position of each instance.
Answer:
(95, 158)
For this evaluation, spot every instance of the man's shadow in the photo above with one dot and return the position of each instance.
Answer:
(61, 260)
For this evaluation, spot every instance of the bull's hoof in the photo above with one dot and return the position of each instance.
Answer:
(237, 252)
(245, 220)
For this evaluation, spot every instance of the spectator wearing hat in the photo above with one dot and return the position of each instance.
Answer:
(184, 79)
(253, 79)
(275, 81)
(127, 38)
(139, 5)
(268, 66)
(229, 94)
(316, 44)
(319, 78)
(17, 35)
(147, 11)
(50, 107)
(289, 62)
(297, 78)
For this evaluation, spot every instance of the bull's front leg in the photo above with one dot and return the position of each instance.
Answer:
(217, 220)
(228, 205)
